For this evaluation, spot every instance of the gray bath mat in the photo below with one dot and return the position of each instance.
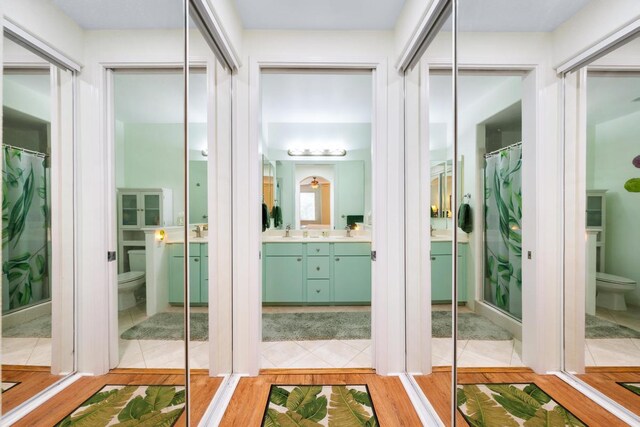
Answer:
(342, 325)
(40, 327)
(470, 327)
(169, 326)
(600, 328)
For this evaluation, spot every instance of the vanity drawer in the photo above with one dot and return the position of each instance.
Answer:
(318, 267)
(352, 249)
(283, 249)
(317, 249)
(318, 290)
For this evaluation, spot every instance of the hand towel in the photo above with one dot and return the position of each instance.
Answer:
(465, 219)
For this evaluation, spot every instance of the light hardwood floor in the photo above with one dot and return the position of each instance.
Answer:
(392, 405)
(606, 381)
(437, 388)
(203, 388)
(32, 379)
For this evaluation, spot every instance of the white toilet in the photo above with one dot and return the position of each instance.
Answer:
(133, 280)
(611, 289)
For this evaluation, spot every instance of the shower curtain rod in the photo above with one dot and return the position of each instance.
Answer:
(493, 153)
(37, 153)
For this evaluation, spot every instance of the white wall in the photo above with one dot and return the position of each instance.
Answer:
(597, 20)
(612, 147)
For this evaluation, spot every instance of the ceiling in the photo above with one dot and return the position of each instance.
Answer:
(485, 15)
(144, 97)
(515, 15)
(319, 15)
(612, 97)
(123, 14)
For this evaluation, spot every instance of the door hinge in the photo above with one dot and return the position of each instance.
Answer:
(111, 256)
(528, 254)
(259, 254)
(373, 255)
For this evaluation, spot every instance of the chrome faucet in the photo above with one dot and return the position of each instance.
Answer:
(287, 232)
(198, 231)
(348, 228)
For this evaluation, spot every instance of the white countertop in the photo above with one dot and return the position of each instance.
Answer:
(447, 237)
(330, 239)
(191, 240)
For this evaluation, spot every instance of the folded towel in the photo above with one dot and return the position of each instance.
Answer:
(265, 217)
(276, 214)
(465, 219)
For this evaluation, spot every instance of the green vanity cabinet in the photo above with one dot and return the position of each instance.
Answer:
(198, 273)
(442, 273)
(283, 279)
(316, 273)
(352, 278)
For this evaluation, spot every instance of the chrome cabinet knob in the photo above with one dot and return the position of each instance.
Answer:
(337, 259)
(317, 291)
(299, 259)
(317, 268)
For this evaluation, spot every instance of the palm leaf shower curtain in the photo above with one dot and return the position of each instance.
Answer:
(503, 231)
(24, 229)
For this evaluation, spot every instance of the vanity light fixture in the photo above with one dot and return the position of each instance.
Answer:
(314, 183)
(336, 152)
(160, 235)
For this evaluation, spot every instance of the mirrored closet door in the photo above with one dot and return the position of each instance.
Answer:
(602, 163)
(38, 212)
(429, 139)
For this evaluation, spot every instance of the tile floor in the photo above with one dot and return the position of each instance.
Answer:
(328, 354)
(316, 354)
(26, 351)
(615, 351)
(158, 353)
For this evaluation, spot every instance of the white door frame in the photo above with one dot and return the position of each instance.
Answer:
(247, 236)
(217, 175)
(536, 321)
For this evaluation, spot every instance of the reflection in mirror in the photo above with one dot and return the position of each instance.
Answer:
(603, 348)
(316, 263)
(429, 249)
(37, 282)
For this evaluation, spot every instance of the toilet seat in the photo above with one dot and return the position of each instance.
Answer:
(611, 278)
(129, 276)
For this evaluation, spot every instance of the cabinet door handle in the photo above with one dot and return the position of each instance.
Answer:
(337, 259)
(317, 291)
(433, 258)
(196, 259)
(317, 249)
(317, 268)
(299, 259)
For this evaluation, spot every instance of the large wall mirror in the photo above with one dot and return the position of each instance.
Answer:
(159, 129)
(38, 230)
(602, 310)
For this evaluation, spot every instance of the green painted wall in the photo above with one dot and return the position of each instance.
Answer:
(611, 148)
(151, 156)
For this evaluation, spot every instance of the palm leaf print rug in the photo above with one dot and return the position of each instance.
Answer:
(512, 405)
(632, 387)
(6, 385)
(129, 405)
(319, 405)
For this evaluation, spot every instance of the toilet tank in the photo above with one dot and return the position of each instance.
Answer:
(137, 260)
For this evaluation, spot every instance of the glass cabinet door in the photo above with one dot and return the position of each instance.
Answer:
(129, 210)
(594, 211)
(152, 210)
